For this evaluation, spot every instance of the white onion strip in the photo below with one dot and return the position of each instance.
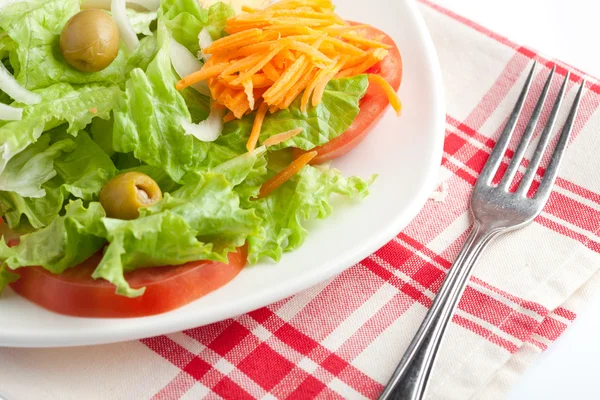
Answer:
(10, 86)
(204, 40)
(185, 63)
(209, 129)
(119, 13)
(8, 113)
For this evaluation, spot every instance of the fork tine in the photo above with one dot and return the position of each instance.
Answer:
(493, 162)
(526, 138)
(552, 171)
(543, 142)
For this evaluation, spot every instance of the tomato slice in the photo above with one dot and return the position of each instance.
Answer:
(75, 293)
(372, 105)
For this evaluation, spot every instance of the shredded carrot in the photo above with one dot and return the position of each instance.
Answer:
(311, 22)
(299, 86)
(265, 59)
(258, 120)
(356, 39)
(282, 137)
(249, 90)
(279, 61)
(270, 71)
(201, 75)
(254, 48)
(319, 41)
(288, 55)
(345, 47)
(320, 87)
(285, 82)
(289, 50)
(228, 117)
(289, 30)
(93, 110)
(389, 91)
(254, 17)
(313, 83)
(367, 63)
(233, 41)
(302, 14)
(295, 4)
(335, 30)
(285, 174)
(249, 9)
(310, 50)
(241, 65)
(258, 81)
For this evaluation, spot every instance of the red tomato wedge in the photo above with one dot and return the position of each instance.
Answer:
(372, 105)
(75, 293)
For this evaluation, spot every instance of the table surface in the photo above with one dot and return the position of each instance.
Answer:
(567, 31)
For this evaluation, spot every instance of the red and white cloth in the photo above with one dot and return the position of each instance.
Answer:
(343, 338)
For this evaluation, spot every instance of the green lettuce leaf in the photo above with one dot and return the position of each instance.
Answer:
(60, 103)
(6, 45)
(148, 121)
(22, 214)
(218, 14)
(163, 238)
(211, 208)
(4, 98)
(27, 171)
(322, 123)
(6, 277)
(141, 20)
(285, 211)
(67, 241)
(246, 172)
(202, 220)
(80, 169)
(162, 179)
(185, 19)
(101, 132)
(86, 169)
(35, 27)
(143, 55)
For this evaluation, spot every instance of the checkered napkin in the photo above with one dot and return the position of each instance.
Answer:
(343, 338)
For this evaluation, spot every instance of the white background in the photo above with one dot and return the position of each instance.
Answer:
(568, 30)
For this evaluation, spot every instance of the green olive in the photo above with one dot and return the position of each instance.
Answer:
(90, 40)
(124, 194)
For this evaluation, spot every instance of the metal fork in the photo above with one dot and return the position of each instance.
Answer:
(495, 211)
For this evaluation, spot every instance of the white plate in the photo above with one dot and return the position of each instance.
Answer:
(405, 152)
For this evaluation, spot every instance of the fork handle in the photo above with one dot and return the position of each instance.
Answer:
(409, 381)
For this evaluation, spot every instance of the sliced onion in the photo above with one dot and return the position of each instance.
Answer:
(185, 63)
(138, 5)
(10, 86)
(204, 40)
(8, 113)
(119, 13)
(209, 129)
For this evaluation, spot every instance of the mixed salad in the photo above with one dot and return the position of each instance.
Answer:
(148, 153)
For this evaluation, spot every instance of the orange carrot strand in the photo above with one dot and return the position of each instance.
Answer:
(389, 91)
(258, 120)
(285, 174)
(282, 137)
